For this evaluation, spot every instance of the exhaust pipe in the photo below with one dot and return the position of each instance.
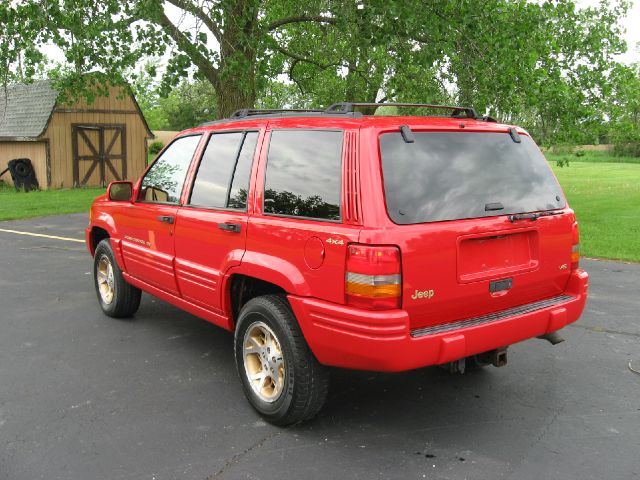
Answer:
(553, 338)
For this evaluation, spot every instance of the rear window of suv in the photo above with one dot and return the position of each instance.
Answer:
(456, 175)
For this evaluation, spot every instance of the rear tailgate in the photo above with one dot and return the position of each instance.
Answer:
(452, 196)
(462, 269)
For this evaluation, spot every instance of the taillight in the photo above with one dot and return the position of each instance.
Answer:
(373, 280)
(575, 248)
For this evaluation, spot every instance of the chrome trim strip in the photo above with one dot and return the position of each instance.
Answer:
(511, 312)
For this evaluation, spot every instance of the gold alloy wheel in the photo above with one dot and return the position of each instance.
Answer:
(104, 277)
(264, 363)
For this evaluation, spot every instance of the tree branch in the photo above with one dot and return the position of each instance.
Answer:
(183, 42)
(198, 12)
(300, 19)
(293, 79)
(301, 58)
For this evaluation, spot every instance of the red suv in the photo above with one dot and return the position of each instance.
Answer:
(333, 238)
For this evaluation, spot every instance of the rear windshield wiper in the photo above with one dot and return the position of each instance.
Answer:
(533, 216)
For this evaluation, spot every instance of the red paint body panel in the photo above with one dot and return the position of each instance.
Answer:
(190, 262)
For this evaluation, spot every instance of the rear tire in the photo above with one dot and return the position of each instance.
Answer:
(117, 298)
(280, 376)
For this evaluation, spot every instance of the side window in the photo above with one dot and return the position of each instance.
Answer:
(240, 184)
(163, 182)
(304, 173)
(222, 180)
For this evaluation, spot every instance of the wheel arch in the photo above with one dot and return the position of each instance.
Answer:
(97, 235)
(239, 288)
(259, 273)
(104, 229)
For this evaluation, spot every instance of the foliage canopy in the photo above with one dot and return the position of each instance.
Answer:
(547, 65)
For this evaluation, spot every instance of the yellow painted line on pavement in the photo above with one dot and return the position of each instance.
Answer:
(54, 237)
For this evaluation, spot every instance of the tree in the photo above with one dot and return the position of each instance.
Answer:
(544, 63)
(623, 109)
(19, 55)
(189, 103)
(224, 40)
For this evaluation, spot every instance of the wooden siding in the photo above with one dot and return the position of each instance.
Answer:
(35, 151)
(103, 111)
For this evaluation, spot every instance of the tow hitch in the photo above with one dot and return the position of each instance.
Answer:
(497, 358)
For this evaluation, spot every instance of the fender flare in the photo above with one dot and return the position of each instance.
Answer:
(105, 222)
(267, 268)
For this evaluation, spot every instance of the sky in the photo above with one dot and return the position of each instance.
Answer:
(631, 24)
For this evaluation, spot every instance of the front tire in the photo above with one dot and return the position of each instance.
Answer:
(281, 378)
(117, 298)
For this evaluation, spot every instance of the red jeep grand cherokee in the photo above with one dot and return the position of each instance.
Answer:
(332, 238)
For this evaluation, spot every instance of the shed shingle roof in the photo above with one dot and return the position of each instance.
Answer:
(25, 109)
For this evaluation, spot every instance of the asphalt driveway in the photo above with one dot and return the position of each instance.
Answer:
(83, 396)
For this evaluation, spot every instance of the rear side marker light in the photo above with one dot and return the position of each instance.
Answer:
(575, 256)
(373, 280)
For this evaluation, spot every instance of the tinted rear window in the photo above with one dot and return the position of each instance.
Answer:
(456, 175)
(303, 174)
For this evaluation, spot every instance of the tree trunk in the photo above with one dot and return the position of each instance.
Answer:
(236, 84)
(233, 94)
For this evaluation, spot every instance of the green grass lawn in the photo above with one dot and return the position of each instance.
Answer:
(606, 199)
(589, 156)
(15, 205)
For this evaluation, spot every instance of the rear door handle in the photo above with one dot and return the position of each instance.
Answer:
(166, 219)
(230, 227)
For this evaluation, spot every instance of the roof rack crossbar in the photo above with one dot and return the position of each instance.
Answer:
(348, 107)
(247, 112)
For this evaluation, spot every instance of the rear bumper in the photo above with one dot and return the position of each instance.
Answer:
(347, 337)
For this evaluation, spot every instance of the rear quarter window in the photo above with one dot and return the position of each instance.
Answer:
(303, 177)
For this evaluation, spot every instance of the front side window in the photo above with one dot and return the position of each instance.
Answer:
(303, 176)
(222, 180)
(164, 180)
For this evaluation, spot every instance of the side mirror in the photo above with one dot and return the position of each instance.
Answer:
(120, 191)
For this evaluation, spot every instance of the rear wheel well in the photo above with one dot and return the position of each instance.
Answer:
(244, 288)
(97, 235)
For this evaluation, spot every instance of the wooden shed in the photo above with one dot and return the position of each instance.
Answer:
(73, 145)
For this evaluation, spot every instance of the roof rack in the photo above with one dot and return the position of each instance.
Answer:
(248, 112)
(343, 109)
(349, 107)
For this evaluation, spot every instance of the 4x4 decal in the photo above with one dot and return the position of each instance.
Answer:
(335, 241)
